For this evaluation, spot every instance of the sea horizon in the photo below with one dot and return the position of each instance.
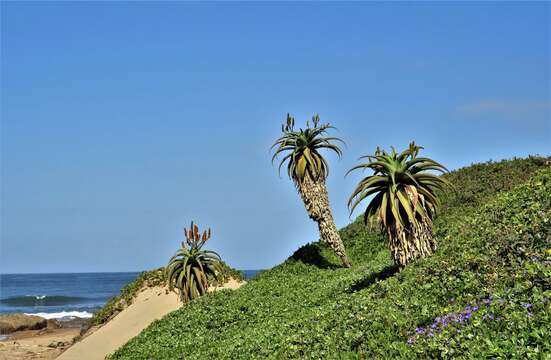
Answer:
(90, 272)
(64, 295)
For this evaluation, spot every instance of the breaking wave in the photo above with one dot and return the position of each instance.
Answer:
(63, 315)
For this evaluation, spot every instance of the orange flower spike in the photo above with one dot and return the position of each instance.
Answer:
(209, 234)
(186, 234)
(204, 236)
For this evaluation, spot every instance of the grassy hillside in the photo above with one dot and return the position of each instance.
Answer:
(485, 293)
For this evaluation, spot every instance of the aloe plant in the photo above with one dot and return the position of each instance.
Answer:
(404, 200)
(308, 170)
(189, 270)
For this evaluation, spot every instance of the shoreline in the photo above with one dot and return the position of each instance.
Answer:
(48, 325)
(44, 344)
(150, 304)
(76, 338)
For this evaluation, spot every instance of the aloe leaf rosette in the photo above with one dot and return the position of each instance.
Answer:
(404, 199)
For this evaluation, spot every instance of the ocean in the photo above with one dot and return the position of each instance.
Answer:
(55, 296)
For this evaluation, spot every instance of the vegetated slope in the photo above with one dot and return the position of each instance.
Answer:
(148, 279)
(484, 293)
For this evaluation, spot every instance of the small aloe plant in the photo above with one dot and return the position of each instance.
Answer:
(190, 268)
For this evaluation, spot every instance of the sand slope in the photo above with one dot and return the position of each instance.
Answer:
(150, 304)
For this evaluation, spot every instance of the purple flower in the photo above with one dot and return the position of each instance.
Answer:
(487, 301)
(411, 340)
(443, 321)
(526, 306)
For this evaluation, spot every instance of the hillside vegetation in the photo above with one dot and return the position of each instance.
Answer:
(147, 279)
(485, 292)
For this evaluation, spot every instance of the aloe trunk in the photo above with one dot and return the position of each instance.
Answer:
(415, 241)
(316, 201)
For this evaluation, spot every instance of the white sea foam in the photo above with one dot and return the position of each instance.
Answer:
(64, 315)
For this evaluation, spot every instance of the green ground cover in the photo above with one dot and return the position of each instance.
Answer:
(484, 294)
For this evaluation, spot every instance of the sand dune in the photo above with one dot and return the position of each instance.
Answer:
(150, 304)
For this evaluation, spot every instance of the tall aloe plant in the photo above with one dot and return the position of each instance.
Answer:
(404, 199)
(189, 270)
(308, 169)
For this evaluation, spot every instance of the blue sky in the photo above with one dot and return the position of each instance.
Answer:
(122, 122)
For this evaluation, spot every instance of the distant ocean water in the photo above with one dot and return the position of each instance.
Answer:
(56, 296)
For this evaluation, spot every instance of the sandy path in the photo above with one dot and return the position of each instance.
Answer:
(150, 304)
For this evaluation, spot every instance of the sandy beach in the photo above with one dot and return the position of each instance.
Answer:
(37, 344)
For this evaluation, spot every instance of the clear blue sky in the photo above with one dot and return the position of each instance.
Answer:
(122, 122)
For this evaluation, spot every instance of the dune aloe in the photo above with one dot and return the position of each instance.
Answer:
(190, 268)
(404, 200)
(308, 170)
